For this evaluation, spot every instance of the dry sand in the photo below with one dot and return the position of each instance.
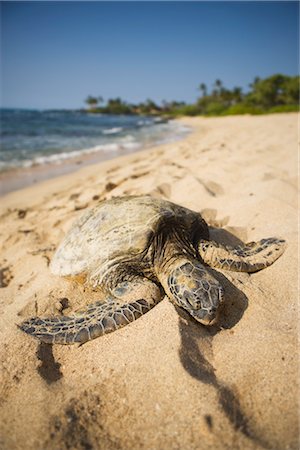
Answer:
(164, 381)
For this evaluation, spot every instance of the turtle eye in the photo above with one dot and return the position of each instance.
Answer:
(204, 245)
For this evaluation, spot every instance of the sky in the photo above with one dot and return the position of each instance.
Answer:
(55, 54)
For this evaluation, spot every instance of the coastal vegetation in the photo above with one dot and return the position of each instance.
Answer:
(277, 93)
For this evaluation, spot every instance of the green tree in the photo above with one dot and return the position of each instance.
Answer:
(91, 101)
(270, 92)
(254, 82)
(237, 94)
(217, 88)
(149, 107)
(291, 90)
(117, 106)
(203, 89)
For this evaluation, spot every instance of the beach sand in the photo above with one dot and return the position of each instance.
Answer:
(164, 381)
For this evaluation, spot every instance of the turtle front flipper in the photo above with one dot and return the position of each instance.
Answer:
(94, 321)
(250, 257)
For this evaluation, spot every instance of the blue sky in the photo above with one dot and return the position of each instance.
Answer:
(56, 53)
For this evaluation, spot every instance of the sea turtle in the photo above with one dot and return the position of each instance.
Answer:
(136, 249)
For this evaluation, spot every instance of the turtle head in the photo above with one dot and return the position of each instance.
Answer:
(193, 288)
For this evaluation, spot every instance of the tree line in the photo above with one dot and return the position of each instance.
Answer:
(277, 93)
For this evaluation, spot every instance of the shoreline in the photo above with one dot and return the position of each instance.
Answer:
(240, 173)
(21, 177)
(26, 178)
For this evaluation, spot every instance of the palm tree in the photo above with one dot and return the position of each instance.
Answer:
(91, 101)
(237, 94)
(203, 89)
(255, 82)
(218, 86)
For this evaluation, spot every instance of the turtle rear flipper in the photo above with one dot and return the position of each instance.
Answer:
(250, 257)
(94, 321)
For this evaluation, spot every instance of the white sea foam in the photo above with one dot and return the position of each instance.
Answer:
(135, 139)
(144, 122)
(114, 130)
(131, 145)
(58, 158)
(127, 138)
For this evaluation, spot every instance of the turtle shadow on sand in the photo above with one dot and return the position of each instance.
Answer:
(224, 237)
(48, 368)
(196, 351)
(235, 301)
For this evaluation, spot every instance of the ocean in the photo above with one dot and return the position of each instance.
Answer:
(31, 138)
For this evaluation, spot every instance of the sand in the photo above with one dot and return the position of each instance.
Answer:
(164, 381)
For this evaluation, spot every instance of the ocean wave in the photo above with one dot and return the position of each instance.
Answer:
(58, 158)
(145, 122)
(127, 138)
(114, 130)
(130, 145)
(78, 136)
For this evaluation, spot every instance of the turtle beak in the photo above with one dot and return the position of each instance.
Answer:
(207, 317)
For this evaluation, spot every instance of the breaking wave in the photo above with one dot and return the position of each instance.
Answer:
(31, 138)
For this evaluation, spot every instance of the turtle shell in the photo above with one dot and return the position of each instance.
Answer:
(121, 229)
